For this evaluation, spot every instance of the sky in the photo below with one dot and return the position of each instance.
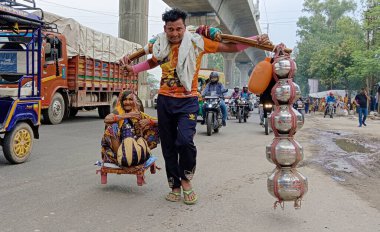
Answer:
(277, 17)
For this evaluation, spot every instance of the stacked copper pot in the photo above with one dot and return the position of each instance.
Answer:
(285, 183)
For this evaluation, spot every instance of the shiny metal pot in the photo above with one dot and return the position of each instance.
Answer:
(287, 184)
(283, 119)
(282, 67)
(282, 91)
(284, 152)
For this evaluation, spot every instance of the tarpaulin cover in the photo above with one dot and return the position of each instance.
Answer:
(85, 41)
(323, 94)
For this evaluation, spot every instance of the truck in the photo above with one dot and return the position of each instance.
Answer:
(20, 59)
(79, 66)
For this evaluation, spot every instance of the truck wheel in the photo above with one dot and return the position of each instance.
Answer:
(73, 112)
(18, 143)
(54, 114)
(103, 111)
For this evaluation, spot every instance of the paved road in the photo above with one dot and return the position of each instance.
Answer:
(57, 189)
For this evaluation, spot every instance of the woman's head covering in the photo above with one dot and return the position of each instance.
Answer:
(122, 96)
(119, 110)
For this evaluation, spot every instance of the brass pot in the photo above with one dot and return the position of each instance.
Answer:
(282, 67)
(283, 119)
(283, 91)
(284, 151)
(287, 184)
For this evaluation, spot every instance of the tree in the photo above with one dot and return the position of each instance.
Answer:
(215, 61)
(153, 83)
(328, 38)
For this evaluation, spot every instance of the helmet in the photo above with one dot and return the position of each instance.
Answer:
(245, 88)
(237, 88)
(214, 77)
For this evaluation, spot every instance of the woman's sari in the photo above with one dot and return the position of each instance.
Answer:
(134, 143)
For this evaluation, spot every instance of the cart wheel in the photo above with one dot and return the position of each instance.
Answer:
(18, 143)
(103, 177)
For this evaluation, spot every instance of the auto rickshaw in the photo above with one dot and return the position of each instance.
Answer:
(20, 71)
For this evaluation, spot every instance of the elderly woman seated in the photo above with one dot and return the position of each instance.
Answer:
(130, 134)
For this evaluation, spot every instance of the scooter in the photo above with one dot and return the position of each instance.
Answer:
(213, 114)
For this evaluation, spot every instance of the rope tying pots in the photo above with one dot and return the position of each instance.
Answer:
(285, 183)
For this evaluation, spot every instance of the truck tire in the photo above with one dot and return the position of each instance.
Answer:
(73, 112)
(103, 111)
(18, 143)
(54, 114)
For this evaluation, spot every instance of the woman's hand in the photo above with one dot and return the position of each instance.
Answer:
(144, 123)
(135, 115)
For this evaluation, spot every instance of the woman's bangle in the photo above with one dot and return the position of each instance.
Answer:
(115, 118)
(152, 123)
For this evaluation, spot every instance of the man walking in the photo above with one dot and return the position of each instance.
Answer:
(179, 53)
(361, 103)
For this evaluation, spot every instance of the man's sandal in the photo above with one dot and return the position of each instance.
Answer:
(186, 195)
(173, 197)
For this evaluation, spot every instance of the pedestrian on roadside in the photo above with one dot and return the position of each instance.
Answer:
(179, 53)
(361, 101)
(307, 103)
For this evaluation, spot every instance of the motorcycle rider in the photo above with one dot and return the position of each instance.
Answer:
(236, 94)
(233, 100)
(247, 96)
(330, 98)
(215, 88)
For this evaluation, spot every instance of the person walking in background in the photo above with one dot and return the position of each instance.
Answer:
(307, 103)
(361, 101)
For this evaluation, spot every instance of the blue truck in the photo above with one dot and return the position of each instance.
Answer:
(20, 60)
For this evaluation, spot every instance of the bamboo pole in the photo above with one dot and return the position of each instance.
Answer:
(250, 42)
(230, 38)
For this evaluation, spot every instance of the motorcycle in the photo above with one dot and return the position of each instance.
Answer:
(265, 111)
(242, 110)
(330, 109)
(232, 108)
(213, 114)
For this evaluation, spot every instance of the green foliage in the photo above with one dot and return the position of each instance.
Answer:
(153, 82)
(332, 46)
(215, 61)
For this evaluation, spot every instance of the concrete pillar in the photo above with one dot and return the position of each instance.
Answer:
(202, 18)
(244, 68)
(133, 26)
(229, 62)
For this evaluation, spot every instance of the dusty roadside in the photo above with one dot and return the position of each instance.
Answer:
(348, 154)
